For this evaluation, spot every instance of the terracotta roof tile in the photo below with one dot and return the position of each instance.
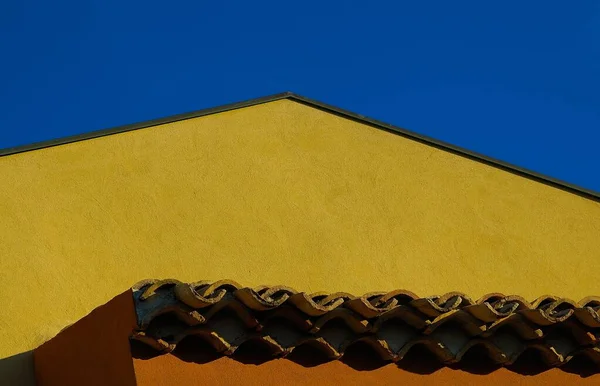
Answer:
(226, 315)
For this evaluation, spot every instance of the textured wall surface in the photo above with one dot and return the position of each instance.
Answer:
(278, 193)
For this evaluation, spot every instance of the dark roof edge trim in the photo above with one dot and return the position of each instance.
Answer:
(590, 194)
(140, 125)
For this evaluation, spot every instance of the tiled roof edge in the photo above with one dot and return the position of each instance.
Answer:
(227, 315)
(583, 192)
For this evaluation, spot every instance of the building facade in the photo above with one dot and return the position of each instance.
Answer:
(290, 193)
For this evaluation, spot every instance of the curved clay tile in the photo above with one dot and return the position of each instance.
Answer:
(227, 316)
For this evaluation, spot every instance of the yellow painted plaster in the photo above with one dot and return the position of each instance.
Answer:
(274, 193)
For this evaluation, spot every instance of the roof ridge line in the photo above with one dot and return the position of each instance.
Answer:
(523, 172)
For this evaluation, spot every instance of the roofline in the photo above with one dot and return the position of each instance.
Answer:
(587, 193)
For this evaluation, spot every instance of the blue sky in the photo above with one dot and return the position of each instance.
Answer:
(514, 80)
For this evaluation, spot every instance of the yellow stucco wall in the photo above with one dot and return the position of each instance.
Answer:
(274, 193)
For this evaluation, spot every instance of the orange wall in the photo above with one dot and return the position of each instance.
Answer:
(168, 370)
(93, 351)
